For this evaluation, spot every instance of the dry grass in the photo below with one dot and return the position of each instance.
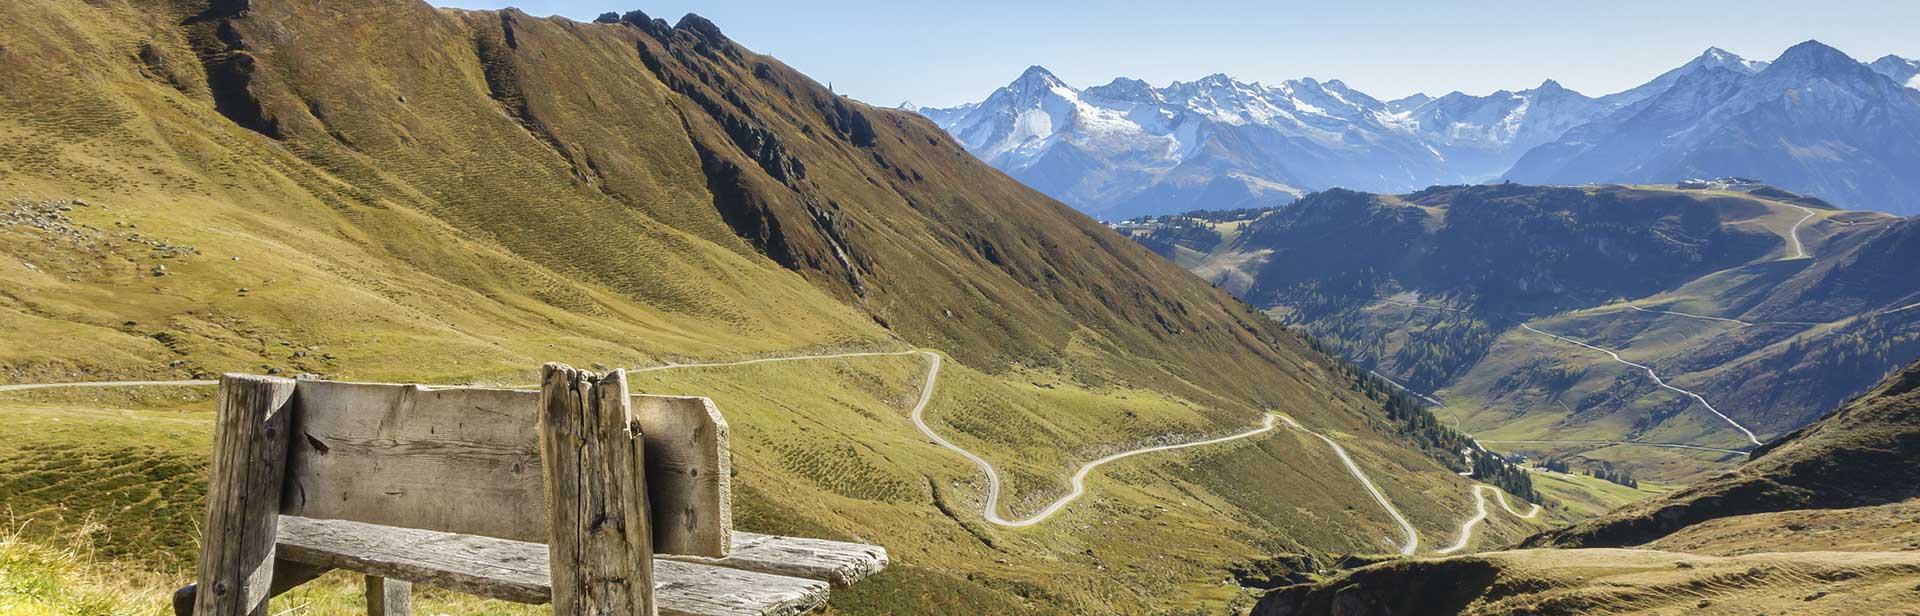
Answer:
(436, 203)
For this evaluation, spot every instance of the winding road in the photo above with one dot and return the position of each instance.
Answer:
(1412, 543)
(768, 360)
(1641, 444)
(1651, 374)
(991, 504)
(1800, 250)
(990, 509)
(27, 386)
(1480, 505)
(1689, 315)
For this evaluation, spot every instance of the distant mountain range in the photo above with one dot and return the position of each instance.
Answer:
(1773, 306)
(1815, 120)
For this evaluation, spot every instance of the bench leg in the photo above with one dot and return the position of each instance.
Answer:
(388, 597)
(243, 496)
(286, 576)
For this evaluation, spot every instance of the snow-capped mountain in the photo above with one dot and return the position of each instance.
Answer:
(1127, 148)
(1814, 121)
(1901, 70)
(939, 116)
(1713, 57)
(1482, 136)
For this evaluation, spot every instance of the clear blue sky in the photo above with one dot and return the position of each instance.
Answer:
(952, 51)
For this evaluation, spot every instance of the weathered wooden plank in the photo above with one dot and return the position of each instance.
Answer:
(689, 469)
(600, 544)
(518, 570)
(235, 572)
(484, 566)
(837, 562)
(457, 460)
(467, 460)
(387, 597)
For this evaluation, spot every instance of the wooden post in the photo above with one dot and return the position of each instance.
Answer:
(243, 496)
(601, 549)
(389, 597)
(688, 468)
(287, 575)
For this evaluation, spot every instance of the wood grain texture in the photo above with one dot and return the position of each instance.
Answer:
(600, 545)
(518, 570)
(287, 575)
(388, 597)
(689, 474)
(460, 460)
(467, 460)
(836, 562)
(235, 572)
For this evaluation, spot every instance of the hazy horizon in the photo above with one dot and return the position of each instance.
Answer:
(947, 54)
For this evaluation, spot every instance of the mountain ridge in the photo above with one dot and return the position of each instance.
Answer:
(1843, 131)
(382, 190)
(1772, 306)
(1128, 148)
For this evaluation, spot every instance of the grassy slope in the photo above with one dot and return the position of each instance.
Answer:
(823, 449)
(1613, 581)
(1857, 456)
(423, 197)
(1819, 522)
(1583, 496)
(1719, 253)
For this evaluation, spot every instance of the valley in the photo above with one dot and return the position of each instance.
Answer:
(1810, 526)
(1361, 371)
(1632, 327)
(381, 190)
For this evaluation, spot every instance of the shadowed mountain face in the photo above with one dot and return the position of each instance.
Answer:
(1861, 455)
(1901, 70)
(653, 139)
(1127, 148)
(383, 190)
(1814, 121)
(1706, 285)
(1818, 522)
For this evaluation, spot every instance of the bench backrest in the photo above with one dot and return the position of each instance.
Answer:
(467, 461)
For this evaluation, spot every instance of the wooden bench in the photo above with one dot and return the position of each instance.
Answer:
(580, 495)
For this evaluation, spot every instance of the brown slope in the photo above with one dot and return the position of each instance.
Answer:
(1613, 581)
(876, 206)
(1860, 455)
(450, 196)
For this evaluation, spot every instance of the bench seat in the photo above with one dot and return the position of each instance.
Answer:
(757, 579)
(836, 562)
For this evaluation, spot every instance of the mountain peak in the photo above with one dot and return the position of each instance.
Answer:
(1550, 86)
(701, 26)
(1901, 70)
(1815, 54)
(1409, 102)
(1037, 73)
(1721, 58)
(1036, 80)
(1125, 89)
